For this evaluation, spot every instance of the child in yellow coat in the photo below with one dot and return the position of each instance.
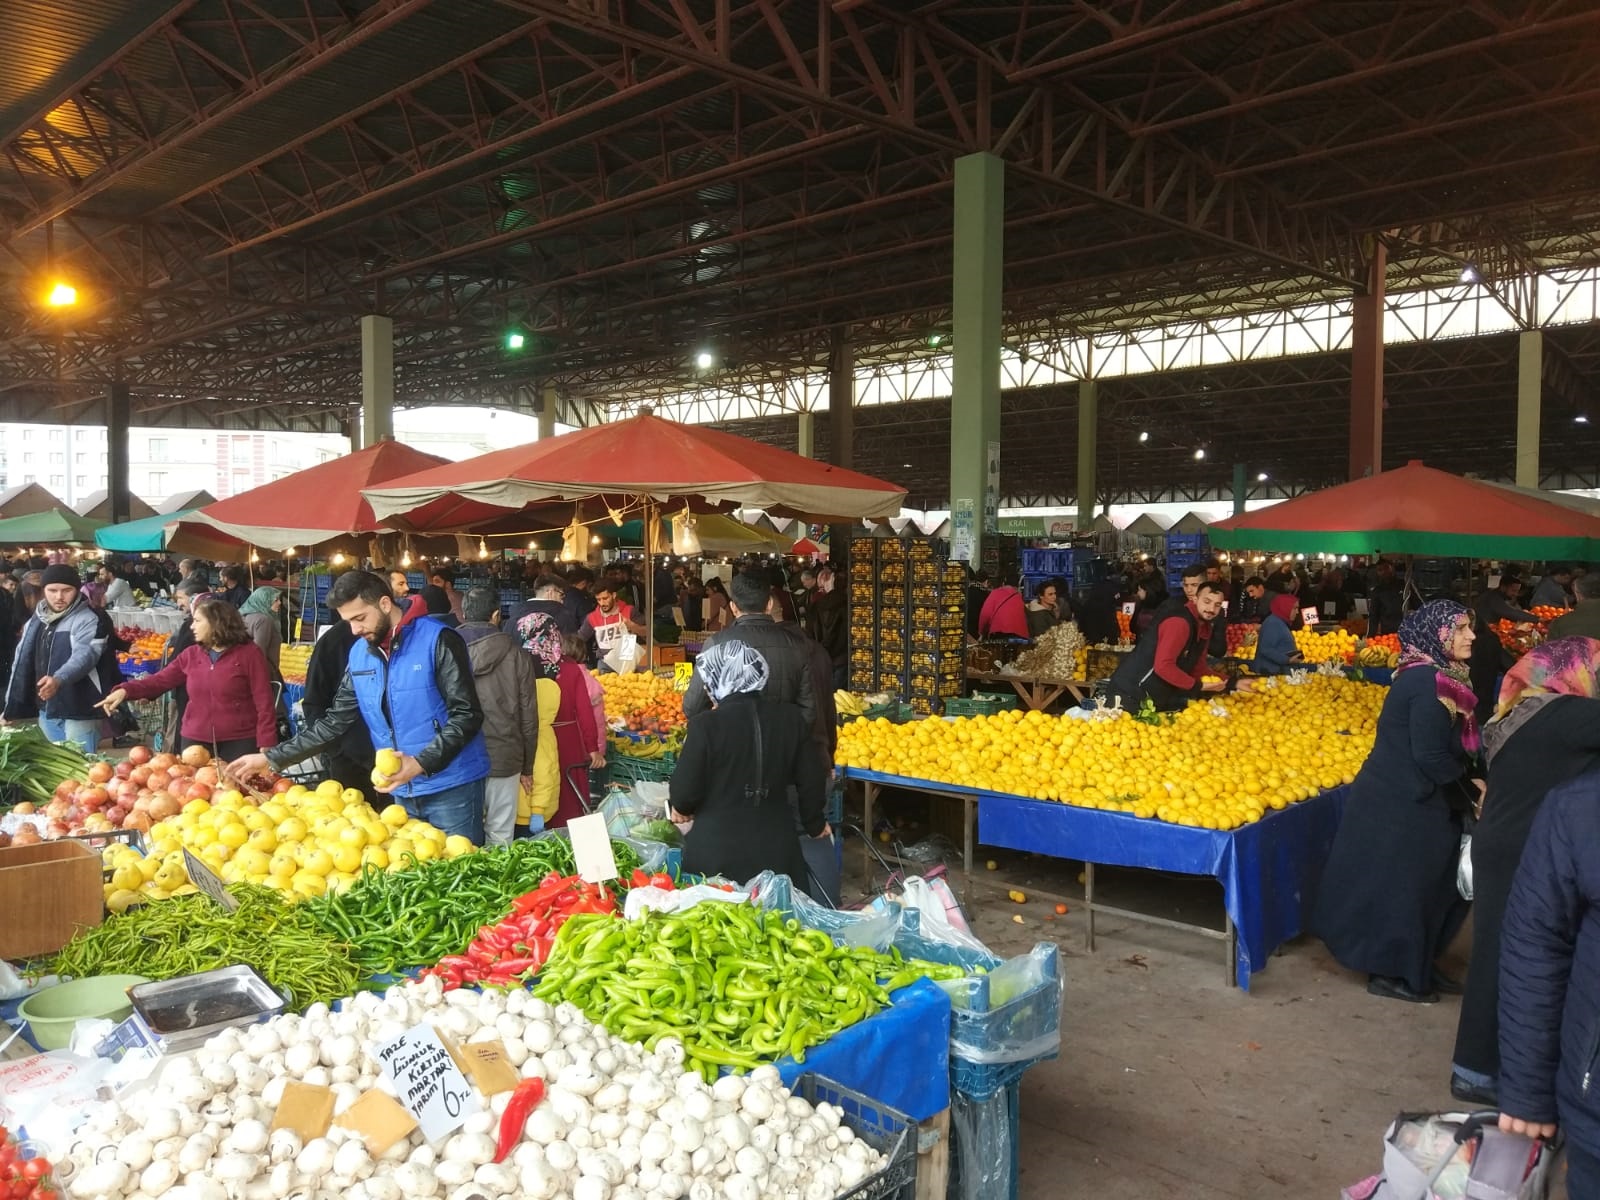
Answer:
(537, 803)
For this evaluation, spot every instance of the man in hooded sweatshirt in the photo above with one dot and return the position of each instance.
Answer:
(506, 688)
(65, 663)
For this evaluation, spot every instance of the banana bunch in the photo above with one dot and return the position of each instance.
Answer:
(1376, 656)
(849, 704)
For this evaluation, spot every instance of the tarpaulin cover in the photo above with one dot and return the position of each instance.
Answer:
(1268, 869)
(1416, 509)
(900, 1057)
(618, 460)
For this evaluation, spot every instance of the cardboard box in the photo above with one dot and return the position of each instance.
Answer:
(47, 893)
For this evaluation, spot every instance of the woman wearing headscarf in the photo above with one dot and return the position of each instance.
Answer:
(577, 740)
(1545, 731)
(260, 613)
(1388, 903)
(738, 762)
(1276, 653)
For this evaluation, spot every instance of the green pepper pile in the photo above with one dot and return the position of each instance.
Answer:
(738, 986)
(188, 934)
(413, 918)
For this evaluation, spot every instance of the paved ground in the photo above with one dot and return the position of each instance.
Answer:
(1170, 1084)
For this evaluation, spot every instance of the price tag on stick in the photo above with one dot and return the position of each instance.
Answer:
(591, 848)
(427, 1081)
(209, 882)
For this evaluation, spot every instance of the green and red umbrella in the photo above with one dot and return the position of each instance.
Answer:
(1416, 509)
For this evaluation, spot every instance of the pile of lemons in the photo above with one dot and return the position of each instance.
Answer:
(1337, 645)
(1218, 764)
(302, 843)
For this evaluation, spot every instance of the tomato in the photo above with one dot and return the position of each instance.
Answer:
(19, 1188)
(35, 1169)
(44, 1191)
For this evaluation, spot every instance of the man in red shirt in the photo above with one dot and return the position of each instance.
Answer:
(1167, 668)
(611, 618)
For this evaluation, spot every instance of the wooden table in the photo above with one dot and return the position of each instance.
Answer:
(1037, 691)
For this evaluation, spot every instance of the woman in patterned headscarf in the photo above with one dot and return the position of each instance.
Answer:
(569, 739)
(1388, 903)
(1546, 730)
(738, 763)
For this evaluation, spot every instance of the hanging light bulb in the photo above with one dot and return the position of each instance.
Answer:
(483, 549)
(338, 559)
(405, 559)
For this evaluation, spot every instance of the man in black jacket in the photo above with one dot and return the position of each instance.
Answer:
(784, 647)
(351, 761)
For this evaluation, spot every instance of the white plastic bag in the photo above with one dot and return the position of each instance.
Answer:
(652, 899)
(1464, 868)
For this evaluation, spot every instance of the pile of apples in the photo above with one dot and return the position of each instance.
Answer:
(135, 793)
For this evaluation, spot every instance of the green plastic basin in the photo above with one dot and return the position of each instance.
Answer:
(52, 1013)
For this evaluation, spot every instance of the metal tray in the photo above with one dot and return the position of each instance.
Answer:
(184, 1012)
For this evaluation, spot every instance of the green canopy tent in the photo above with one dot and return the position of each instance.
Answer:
(172, 531)
(53, 527)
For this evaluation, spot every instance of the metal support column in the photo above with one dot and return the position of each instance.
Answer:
(1088, 441)
(975, 332)
(1240, 487)
(377, 379)
(1366, 371)
(547, 411)
(841, 432)
(806, 434)
(118, 409)
(1530, 392)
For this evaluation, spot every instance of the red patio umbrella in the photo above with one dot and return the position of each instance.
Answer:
(643, 461)
(1417, 509)
(316, 504)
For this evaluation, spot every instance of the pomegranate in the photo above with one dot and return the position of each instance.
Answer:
(162, 806)
(195, 756)
(116, 814)
(55, 810)
(58, 829)
(138, 820)
(100, 772)
(197, 791)
(94, 798)
(281, 786)
(162, 762)
(138, 755)
(140, 776)
(65, 788)
(207, 776)
(158, 779)
(123, 769)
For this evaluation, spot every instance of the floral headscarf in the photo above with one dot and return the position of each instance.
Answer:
(541, 637)
(1564, 667)
(1425, 637)
(730, 669)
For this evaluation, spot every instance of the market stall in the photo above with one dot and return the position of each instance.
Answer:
(169, 533)
(57, 526)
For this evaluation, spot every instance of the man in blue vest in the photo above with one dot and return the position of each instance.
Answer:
(410, 680)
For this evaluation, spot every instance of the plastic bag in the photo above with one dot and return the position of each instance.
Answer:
(875, 927)
(983, 1146)
(624, 811)
(1464, 868)
(1012, 1014)
(653, 899)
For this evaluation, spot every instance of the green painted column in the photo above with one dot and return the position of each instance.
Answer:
(975, 334)
(1088, 441)
(1530, 392)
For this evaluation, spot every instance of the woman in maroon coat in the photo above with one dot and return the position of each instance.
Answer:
(230, 709)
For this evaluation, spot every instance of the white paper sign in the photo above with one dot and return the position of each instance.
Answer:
(591, 848)
(427, 1081)
(1130, 608)
(1310, 615)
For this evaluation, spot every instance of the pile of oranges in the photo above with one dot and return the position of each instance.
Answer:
(146, 649)
(643, 703)
(1218, 764)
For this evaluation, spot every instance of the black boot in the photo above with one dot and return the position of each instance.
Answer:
(1391, 988)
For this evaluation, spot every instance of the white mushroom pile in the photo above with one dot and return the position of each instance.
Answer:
(617, 1122)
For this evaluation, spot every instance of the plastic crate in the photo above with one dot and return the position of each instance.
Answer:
(509, 599)
(1030, 1019)
(887, 1131)
(1185, 541)
(625, 768)
(979, 705)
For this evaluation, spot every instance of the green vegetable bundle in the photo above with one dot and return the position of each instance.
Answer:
(35, 766)
(188, 934)
(737, 985)
(415, 917)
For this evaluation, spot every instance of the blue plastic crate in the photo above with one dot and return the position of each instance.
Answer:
(1185, 541)
(510, 598)
(1184, 558)
(1029, 1020)
(416, 580)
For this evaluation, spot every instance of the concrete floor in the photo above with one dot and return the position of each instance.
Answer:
(1171, 1084)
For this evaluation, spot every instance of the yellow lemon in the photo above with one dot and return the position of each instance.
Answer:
(353, 796)
(275, 811)
(455, 846)
(317, 861)
(292, 830)
(126, 879)
(346, 859)
(387, 762)
(255, 819)
(233, 835)
(400, 850)
(195, 808)
(308, 884)
(264, 839)
(282, 865)
(394, 816)
(425, 850)
(330, 789)
(353, 836)
(375, 856)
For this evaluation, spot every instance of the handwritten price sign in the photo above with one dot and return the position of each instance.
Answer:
(427, 1081)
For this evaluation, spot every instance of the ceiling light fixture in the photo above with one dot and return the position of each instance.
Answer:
(704, 360)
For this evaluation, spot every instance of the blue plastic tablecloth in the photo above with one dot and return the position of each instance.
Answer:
(1268, 869)
(899, 1057)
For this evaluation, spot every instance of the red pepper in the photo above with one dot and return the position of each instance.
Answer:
(525, 1098)
(662, 880)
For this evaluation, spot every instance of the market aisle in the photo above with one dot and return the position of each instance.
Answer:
(1170, 1085)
